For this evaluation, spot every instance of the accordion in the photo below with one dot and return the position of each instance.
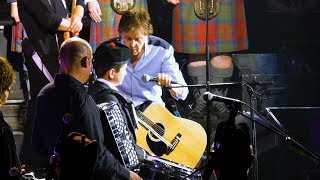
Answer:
(117, 135)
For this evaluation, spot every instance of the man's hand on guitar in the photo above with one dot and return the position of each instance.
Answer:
(94, 11)
(134, 176)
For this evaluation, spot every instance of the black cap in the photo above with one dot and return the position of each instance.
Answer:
(111, 53)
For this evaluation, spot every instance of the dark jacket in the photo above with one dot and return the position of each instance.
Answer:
(11, 1)
(41, 19)
(102, 93)
(9, 161)
(67, 95)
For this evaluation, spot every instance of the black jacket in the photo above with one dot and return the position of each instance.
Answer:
(67, 95)
(8, 157)
(41, 19)
(102, 93)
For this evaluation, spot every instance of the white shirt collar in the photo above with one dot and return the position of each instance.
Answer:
(108, 83)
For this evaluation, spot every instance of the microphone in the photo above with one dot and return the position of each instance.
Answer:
(207, 96)
(146, 78)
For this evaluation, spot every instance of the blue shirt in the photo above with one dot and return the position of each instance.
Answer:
(158, 57)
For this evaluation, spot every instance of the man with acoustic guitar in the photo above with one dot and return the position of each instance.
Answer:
(45, 21)
(153, 60)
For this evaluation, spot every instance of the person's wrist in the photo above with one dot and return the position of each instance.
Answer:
(77, 16)
(88, 1)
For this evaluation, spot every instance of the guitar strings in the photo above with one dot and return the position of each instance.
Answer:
(152, 124)
(155, 127)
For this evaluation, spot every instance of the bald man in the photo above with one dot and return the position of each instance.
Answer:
(64, 104)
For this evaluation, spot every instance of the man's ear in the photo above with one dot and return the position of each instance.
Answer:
(112, 71)
(85, 62)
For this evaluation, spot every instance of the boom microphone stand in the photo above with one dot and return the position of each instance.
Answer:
(300, 149)
(214, 8)
(215, 4)
(251, 92)
(207, 80)
(293, 144)
(210, 14)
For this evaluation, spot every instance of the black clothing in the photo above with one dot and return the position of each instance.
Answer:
(41, 19)
(67, 95)
(8, 156)
(102, 93)
(74, 153)
(111, 53)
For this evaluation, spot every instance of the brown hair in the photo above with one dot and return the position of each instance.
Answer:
(6, 77)
(135, 20)
(100, 72)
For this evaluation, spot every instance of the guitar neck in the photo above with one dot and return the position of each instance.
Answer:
(151, 126)
(144, 120)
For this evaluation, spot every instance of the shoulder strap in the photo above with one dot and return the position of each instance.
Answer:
(170, 103)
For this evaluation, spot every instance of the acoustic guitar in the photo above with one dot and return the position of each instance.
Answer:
(169, 137)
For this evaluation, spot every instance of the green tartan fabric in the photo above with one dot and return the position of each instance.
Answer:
(227, 32)
(108, 27)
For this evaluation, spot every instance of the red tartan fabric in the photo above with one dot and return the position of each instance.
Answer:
(108, 27)
(18, 34)
(227, 31)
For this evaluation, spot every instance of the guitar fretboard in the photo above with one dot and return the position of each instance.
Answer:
(153, 127)
(145, 119)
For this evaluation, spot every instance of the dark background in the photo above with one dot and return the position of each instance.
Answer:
(293, 30)
(283, 47)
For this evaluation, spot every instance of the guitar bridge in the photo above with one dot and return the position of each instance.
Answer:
(174, 143)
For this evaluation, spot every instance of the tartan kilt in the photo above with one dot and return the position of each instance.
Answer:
(108, 27)
(227, 32)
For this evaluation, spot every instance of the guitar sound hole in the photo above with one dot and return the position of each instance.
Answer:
(155, 144)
